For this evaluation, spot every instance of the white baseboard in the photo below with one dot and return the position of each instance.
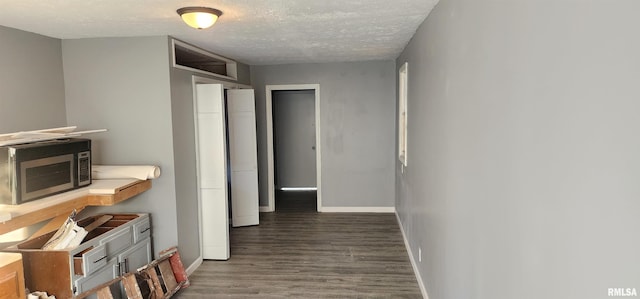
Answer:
(358, 209)
(192, 268)
(423, 289)
(264, 209)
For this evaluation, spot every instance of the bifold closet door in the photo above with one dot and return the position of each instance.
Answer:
(243, 154)
(212, 171)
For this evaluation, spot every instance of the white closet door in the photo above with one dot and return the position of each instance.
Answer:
(243, 154)
(212, 171)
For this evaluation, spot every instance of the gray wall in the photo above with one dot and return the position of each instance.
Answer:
(523, 138)
(185, 166)
(31, 82)
(123, 85)
(357, 117)
(244, 73)
(127, 86)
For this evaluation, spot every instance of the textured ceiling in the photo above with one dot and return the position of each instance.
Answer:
(251, 31)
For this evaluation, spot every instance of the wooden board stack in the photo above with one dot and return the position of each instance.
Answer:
(162, 278)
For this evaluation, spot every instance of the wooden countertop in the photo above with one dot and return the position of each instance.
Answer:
(8, 258)
(99, 193)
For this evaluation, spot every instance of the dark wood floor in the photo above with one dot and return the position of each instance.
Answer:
(305, 254)
(296, 201)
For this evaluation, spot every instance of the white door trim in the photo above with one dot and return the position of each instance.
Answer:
(270, 164)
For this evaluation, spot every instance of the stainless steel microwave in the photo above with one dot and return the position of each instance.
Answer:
(35, 170)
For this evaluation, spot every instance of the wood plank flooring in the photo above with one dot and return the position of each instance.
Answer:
(311, 255)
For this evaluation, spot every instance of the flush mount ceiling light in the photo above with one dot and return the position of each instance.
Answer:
(199, 17)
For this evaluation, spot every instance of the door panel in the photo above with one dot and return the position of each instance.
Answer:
(136, 257)
(241, 129)
(244, 199)
(215, 226)
(209, 139)
(243, 157)
(212, 171)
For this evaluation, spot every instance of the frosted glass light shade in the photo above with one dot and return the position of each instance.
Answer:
(199, 17)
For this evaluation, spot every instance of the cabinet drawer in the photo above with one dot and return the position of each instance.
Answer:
(104, 275)
(141, 230)
(93, 260)
(118, 242)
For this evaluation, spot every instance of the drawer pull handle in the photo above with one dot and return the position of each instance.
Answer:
(123, 267)
(145, 230)
(102, 258)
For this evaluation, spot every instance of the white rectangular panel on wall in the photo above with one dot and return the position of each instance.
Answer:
(243, 154)
(212, 171)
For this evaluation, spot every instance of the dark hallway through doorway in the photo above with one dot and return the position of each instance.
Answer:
(296, 201)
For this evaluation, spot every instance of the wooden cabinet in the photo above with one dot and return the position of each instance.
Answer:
(49, 269)
(119, 246)
(11, 276)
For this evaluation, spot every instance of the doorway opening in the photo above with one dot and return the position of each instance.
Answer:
(293, 147)
(294, 143)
